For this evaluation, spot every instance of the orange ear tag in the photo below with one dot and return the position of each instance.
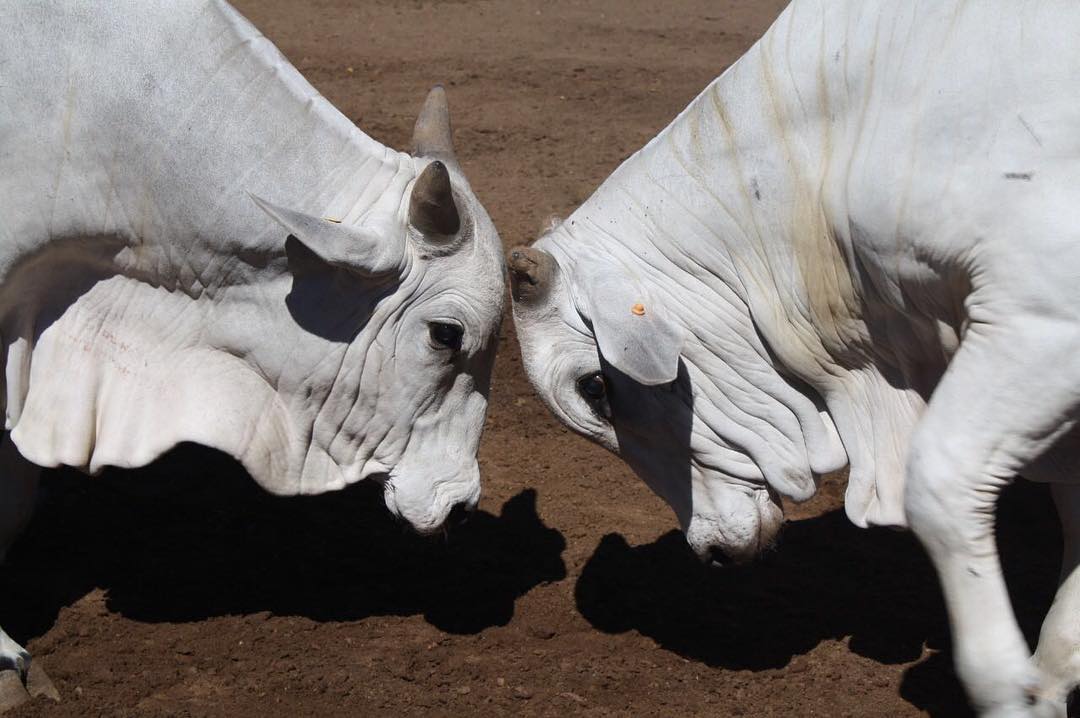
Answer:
(638, 309)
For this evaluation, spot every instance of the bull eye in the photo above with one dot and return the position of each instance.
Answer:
(446, 335)
(593, 388)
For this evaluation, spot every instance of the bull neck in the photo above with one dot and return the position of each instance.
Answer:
(197, 111)
(730, 195)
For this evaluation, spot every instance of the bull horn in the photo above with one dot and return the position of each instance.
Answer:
(432, 134)
(431, 207)
(531, 272)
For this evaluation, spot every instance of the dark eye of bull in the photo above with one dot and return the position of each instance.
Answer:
(593, 387)
(447, 335)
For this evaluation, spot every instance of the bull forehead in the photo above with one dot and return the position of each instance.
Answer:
(556, 339)
(483, 254)
(471, 280)
(555, 342)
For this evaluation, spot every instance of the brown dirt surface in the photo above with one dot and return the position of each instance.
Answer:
(181, 589)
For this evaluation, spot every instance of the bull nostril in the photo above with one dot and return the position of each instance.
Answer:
(719, 557)
(459, 514)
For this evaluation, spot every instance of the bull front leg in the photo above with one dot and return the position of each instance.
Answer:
(1058, 654)
(20, 678)
(1008, 393)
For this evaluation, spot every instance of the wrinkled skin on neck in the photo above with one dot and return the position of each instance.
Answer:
(791, 281)
(312, 376)
(720, 442)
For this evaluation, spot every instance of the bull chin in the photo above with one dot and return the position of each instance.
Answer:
(426, 502)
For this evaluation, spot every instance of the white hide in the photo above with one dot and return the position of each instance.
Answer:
(874, 213)
(146, 299)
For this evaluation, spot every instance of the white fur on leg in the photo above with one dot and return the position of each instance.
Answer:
(13, 657)
(963, 452)
(1058, 654)
(14, 663)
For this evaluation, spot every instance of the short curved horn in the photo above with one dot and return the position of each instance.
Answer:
(431, 207)
(531, 274)
(432, 134)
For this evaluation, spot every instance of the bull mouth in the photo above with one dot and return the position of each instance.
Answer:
(768, 529)
(437, 517)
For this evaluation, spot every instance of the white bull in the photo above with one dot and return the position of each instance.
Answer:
(340, 327)
(860, 244)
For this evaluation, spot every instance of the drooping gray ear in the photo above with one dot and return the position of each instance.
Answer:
(635, 335)
(360, 250)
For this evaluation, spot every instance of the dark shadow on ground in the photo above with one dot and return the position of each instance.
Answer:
(826, 580)
(192, 537)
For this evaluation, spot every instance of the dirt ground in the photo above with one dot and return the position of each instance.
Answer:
(181, 589)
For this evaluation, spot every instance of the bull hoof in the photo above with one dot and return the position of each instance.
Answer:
(12, 691)
(38, 683)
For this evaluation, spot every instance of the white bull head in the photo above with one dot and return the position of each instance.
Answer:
(410, 394)
(705, 420)
(146, 300)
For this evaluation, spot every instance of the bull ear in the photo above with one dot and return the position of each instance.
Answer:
(357, 249)
(634, 334)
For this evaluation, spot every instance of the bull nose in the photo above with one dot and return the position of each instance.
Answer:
(718, 557)
(459, 514)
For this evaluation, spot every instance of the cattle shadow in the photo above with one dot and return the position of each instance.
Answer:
(193, 537)
(826, 580)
